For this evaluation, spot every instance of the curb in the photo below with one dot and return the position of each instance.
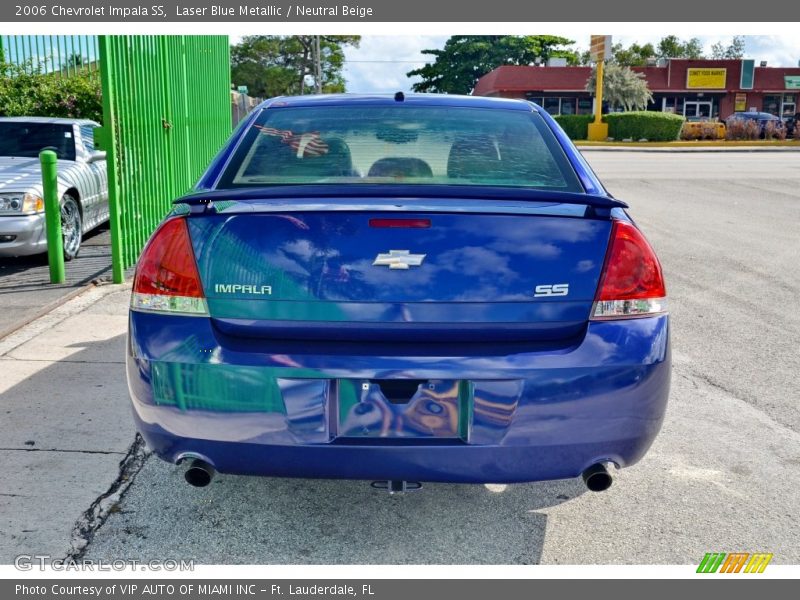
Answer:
(46, 309)
(56, 304)
(55, 313)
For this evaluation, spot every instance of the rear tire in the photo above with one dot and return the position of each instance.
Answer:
(71, 227)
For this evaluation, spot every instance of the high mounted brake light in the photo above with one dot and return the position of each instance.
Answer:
(166, 277)
(631, 284)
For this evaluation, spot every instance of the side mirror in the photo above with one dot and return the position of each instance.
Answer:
(95, 156)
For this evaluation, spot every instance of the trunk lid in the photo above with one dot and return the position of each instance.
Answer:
(319, 272)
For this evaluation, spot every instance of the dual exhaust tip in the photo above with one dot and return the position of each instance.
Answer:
(597, 478)
(199, 473)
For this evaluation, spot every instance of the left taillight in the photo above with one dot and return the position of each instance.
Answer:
(166, 277)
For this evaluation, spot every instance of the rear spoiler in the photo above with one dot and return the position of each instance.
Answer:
(386, 192)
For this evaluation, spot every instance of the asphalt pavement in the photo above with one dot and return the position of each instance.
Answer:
(721, 476)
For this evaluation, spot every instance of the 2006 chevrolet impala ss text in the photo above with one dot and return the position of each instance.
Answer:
(399, 288)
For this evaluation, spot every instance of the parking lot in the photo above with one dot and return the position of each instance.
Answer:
(722, 475)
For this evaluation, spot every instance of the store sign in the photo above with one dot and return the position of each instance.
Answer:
(792, 82)
(740, 103)
(600, 47)
(706, 79)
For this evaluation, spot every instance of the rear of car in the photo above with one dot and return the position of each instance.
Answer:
(408, 288)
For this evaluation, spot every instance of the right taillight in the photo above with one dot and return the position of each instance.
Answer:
(631, 284)
(166, 277)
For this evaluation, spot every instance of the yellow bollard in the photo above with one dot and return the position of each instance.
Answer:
(598, 131)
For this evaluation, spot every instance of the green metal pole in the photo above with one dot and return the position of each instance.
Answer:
(107, 84)
(52, 215)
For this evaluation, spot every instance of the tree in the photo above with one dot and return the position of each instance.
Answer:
(74, 60)
(466, 58)
(622, 87)
(734, 50)
(673, 47)
(632, 56)
(636, 55)
(272, 65)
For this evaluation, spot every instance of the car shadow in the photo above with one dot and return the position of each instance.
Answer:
(254, 520)
(347, 522)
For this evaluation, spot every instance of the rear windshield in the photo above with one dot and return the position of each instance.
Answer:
(28, 139)
(400, 144)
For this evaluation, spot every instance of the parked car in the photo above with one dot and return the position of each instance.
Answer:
(82, 183)
(762, 118)
(402, 289)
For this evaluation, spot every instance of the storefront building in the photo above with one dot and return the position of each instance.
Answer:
(697, 89)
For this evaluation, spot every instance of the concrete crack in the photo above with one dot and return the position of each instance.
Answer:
(693, 375)
(94, 516)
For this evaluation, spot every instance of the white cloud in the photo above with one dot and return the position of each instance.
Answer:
(380, 63)
(778, 51)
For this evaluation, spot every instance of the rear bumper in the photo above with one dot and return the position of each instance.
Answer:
(272, 409)
(28, 233)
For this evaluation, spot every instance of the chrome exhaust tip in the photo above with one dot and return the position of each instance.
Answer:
(199, 473)
(597, 478)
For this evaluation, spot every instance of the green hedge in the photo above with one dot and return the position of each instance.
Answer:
(637, 125)
(26, 94)
(575, 126)
(652, 126)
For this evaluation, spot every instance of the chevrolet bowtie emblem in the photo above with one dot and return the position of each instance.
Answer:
(399, 259)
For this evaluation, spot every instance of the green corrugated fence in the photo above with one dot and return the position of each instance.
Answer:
(166, 111)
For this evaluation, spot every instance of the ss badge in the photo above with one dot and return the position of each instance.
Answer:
(554, 289)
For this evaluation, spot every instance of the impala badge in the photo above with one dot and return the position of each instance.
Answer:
(399, 259)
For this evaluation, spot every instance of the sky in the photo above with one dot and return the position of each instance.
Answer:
(380, 63)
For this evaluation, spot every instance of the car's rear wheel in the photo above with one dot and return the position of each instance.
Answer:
(71, 226)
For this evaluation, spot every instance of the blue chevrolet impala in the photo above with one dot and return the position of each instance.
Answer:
(399, 288)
